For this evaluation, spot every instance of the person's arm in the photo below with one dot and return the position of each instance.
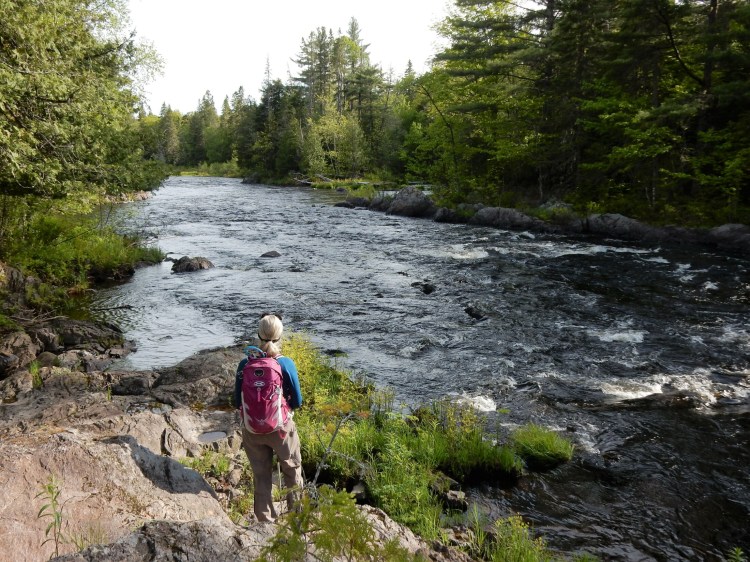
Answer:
(292, 391)
(238, 384)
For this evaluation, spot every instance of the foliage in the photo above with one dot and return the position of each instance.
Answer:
(209, 463)
(736, 555)
(91, 534)
(36, 376)
(67, 96)
(330, 527)
(452, 436)
(66, 246)
(7, 324)
(396, 456)
(540, 447)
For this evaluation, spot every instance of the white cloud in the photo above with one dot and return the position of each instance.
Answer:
(223, 44)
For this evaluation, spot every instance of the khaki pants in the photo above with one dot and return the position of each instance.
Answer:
(260, 450)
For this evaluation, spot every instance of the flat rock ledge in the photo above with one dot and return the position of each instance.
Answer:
(412, 202)
(113, 441)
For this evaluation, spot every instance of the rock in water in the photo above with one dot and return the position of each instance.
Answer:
(186, 264)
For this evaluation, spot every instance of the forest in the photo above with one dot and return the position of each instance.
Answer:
(639, 107)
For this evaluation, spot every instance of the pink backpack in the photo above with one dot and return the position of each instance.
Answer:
(264, 408)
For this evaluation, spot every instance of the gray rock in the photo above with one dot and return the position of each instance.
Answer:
(47, 359)
(234, 478)
(455, 500)
(47, 338)
(79, 334)
(186, 264)
(501, 217)
(207, 540)
(619, 226)
(359, 202)
(21, 346)
(732, 236)
(8, 363)
(447, 215)
(411, 202)
(271, 254)
(381, 203)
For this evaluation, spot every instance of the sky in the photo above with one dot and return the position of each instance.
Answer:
(220, 45)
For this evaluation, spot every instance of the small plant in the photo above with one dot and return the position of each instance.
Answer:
(736, 555)
(209, 464)
(331, 527)
(513, 541)
(36, 376)
(52, 510)
(541, 448)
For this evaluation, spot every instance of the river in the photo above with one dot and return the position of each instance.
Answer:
(641, 355)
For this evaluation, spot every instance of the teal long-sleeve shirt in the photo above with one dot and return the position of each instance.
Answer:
(290, 385)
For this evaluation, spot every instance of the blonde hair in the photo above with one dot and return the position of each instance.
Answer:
(270, 329)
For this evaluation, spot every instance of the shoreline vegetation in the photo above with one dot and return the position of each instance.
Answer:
(359, 448)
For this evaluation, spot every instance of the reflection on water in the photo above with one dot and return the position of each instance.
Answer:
(604, 340)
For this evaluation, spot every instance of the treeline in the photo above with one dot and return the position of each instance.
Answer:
(633, 106)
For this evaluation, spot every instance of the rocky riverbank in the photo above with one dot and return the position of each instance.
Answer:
(412, 202)
(106, 444)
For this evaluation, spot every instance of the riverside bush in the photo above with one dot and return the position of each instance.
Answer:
(65, 250)
(330, 526)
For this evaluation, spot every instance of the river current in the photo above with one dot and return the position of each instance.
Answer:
(641, 355)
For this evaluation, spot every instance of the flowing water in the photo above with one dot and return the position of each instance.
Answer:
(640, 355)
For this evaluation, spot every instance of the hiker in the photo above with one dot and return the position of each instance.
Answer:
(268, 427)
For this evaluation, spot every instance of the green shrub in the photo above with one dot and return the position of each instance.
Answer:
(209, 464)
(541, 448)
(330, 526)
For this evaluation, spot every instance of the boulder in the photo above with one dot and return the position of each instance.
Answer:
(381, 203)
(411, 202)
(732, 236)
(186, 264)
(80, 334)
(8, 363)
(359, 202)
(622, 227)
(447, 215)
(501, 217)
(206, 540)
(271, 254)
(107, 485)
(21, 346)
(47, 338)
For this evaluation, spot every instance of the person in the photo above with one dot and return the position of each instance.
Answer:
(260, 448)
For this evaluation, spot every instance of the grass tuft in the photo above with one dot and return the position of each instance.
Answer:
(541, 448)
